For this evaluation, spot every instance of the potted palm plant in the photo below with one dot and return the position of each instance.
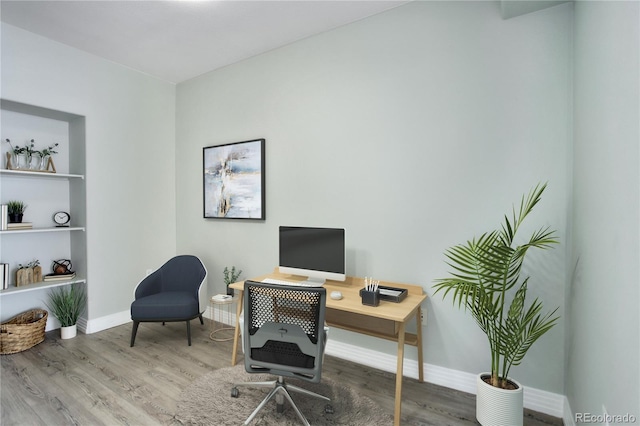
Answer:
(486, 281)
(67, 305)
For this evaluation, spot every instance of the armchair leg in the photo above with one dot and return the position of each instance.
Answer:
(134, 330)
(189, 332)
(201, 320)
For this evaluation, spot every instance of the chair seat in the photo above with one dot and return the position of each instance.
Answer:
(166, 306)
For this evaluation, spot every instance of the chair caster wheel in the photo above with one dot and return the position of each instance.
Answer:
(234, 392)
(328, 409)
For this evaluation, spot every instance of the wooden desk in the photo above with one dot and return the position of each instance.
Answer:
(386, 321)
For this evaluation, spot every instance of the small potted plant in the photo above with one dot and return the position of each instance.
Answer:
(46, 153)
(230, 277)
(15, 210)
(20, 156)
(67, 305)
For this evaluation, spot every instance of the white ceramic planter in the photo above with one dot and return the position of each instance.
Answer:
(498, 407)
(68, 332)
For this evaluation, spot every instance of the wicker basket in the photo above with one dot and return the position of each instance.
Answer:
(23, 331)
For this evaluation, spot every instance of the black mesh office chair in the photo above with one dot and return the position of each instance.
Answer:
(174, 292)
(283, 335)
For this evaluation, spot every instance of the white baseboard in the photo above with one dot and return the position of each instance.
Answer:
(568, 419)
(538, 400)
(535, 399)
(124, 317)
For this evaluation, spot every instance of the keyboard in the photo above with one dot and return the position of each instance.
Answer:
(291, 283)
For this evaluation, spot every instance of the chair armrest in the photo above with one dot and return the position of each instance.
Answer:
(151, 284)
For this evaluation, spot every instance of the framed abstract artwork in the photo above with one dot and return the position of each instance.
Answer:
(233, 184)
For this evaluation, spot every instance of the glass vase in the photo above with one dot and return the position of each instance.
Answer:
(34, 161)
(43, 162)
(21, 161)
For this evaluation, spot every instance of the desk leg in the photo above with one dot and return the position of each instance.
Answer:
(399, 373)
(236, 333)
(419, 335)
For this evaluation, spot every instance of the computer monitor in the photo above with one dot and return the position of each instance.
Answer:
(317, 253)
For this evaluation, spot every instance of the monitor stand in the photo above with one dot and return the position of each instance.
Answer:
(315, 282)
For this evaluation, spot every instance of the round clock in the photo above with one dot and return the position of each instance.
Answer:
(61, 218)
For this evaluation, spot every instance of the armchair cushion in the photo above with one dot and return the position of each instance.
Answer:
(167, 306)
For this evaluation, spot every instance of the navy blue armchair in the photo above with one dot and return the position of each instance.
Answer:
(174, 292)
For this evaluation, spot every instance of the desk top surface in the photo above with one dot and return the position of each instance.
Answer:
(351, 301)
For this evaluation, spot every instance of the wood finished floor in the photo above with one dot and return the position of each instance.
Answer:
(97, 379)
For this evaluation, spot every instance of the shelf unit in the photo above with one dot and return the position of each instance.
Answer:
(44, 193)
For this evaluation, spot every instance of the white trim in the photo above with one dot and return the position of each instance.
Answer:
(103, 323)
(535, 399)
(538, 400)
(568, 418)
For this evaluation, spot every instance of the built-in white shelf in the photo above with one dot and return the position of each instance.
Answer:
(39, 286)
(38, 230)
(40, 175)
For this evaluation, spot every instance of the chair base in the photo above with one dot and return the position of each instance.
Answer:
(280, 391)
(136, 323)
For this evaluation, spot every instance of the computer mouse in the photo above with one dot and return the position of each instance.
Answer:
(336, 295)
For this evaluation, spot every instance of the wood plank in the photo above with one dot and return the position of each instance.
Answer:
(98, 379)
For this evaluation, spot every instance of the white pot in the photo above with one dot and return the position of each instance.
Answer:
(68, 332)
(496, 406)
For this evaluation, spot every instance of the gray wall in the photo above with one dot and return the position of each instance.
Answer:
(130, 154)
(603, 349)
(415, 130)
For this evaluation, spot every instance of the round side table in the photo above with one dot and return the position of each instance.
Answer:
(222, 313)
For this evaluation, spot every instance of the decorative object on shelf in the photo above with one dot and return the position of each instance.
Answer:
(485, 280)
(47, 158)
(29, 273)
(15, 211)
(62, 266)
(234, 180)
(19, 225)
(61, 218)
(29, 159)
(67, 304)
(230, 277)
(61, 271)
(4, 275)
(4, 213)
(23, 331)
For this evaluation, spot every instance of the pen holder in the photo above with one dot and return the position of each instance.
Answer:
(370, 298)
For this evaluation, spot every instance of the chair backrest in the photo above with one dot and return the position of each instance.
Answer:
(284, 330)
(180, 273)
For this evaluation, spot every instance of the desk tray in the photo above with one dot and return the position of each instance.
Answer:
(396, 298)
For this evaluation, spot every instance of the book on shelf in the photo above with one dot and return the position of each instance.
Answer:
(59, 277)
(4, 212)
(21, 225)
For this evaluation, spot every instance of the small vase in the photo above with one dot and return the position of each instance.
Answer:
(68, 332)
(229, 291)
(43, 162)
(20, 161)
(34, 161)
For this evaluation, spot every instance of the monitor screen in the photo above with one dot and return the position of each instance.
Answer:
(318, 253)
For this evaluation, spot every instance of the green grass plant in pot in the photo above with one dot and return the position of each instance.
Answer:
(15, 211)
(485, 280)
(67, 304)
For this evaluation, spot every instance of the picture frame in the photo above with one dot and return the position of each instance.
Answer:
(234, 180)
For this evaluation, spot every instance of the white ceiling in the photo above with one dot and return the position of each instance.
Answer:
(179, 40)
